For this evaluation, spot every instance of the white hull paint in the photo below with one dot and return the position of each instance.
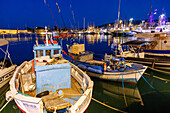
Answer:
(35, 105)
(130, 77)
(6, 74)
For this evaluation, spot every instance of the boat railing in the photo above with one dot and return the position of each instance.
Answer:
(84, 100)
(14, 83)
(23, 99)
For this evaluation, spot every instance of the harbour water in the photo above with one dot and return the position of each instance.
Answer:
(140, 98)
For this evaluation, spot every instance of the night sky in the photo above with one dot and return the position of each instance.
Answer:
(29, 13)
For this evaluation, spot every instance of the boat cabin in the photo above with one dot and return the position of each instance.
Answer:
(78, 52)
(51, 68)
(133, 49)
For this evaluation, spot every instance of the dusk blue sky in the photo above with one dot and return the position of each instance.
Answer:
(31, 13)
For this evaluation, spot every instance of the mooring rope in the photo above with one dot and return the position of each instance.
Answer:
(150, 84)
(163, 79)
(6, 104)
(108, 105)
(143, 78)
(158, 70)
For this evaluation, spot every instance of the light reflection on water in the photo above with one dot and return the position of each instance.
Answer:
(110, 93)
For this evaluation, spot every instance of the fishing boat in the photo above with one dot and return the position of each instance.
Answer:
(49, 83)
(147, 52)
(6, 65)
(105, 67)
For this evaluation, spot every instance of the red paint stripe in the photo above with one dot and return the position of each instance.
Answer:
(21, 109)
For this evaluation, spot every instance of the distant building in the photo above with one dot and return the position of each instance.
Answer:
(13, 31)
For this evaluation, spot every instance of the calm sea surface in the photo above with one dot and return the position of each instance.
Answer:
(141, 98)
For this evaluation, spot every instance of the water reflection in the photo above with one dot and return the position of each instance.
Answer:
(111, 93)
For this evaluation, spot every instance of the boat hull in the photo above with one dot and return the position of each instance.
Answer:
(157, 53)
(28, 104)
(128, 77)
(6, 75)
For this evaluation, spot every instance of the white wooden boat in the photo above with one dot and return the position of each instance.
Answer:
(148, 53)
(107, 68)
(6, 66)
(49, 83)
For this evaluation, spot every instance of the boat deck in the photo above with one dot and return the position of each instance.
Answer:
(74, 91)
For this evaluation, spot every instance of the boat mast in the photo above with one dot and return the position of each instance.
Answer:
(61, 15)
(84, 23)
(73, 17)
(119, 11)
(51, 13)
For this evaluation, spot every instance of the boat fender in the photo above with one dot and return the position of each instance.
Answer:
(82, 66)
(44, 93)
(95, 70)
(105, 67)
(9, 96)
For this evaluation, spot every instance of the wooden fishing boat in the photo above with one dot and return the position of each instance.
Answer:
(6, 65)
(49, 83)
(107, 68)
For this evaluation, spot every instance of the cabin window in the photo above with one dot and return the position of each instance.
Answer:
(48, 52)
(56, 52)
(39, 53)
